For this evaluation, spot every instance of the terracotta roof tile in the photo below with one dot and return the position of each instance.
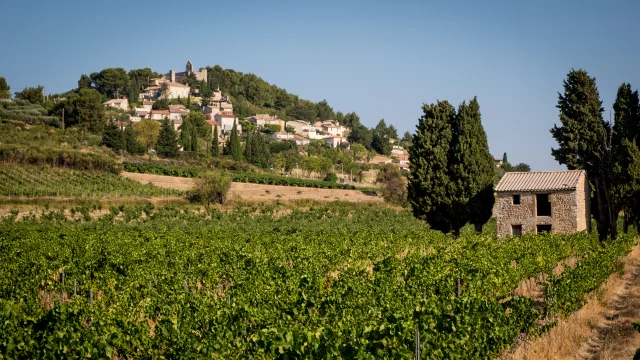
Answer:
(540, 181)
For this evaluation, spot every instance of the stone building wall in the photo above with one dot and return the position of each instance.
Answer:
(564, 217)
(584, 204)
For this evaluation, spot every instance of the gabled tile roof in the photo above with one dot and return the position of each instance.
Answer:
(540, 181)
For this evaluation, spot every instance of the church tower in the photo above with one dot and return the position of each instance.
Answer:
(189, 67)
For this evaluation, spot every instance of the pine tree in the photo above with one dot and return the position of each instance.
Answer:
(430, 187)
(215, 149)
(167, 145)
(584, 143)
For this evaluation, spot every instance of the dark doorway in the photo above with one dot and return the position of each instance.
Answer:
(543, 228)
(516, 230)
(543, 204)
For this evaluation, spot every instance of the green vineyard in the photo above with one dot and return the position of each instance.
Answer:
(336, 281)
(44, 181)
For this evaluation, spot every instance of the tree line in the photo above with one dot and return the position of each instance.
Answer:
(607, 151)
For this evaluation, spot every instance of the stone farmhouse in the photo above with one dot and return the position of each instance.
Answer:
(535, 202)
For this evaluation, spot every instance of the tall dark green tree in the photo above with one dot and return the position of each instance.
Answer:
(131, 143)
(430, 188)
(167, 144)
(215, 149)
(380, 139)
(584, 142)
(472, 168)
(626, 133)
(234, 147)
(111, 82)
(504, 158)
(111, 137)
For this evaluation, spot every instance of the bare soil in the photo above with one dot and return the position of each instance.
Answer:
(259, 192)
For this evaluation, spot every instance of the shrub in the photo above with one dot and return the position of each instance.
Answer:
(331, 177)
(210, 187)
(394, 191)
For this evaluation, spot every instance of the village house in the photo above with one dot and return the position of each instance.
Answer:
(333, 128)
(176, 90)
(147, 104)
(260, 120)
(282, 136)
(177, 112)
(214, 124)
(159, 114)
(533, 202)
(335, 141)
(226, 122)
(142, 112)
(118, 104)
(497, 161)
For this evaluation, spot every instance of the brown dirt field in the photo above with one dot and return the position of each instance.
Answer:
(259, 192)
(602, 329)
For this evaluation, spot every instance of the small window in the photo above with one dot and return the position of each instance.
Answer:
(516, 230)
(543, 204)
(543, 228)
(516, 199)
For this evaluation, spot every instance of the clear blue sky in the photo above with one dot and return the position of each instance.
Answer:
(379, 60)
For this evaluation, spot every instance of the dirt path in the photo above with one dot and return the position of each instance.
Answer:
(258, 192)
(602, 329)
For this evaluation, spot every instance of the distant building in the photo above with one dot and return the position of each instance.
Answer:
(226, 122)
(553, 201)
(176, 90)
(335, 141)
(118, 104)
(179, 77)
(159, 114)
(498, 161)
(260, 120)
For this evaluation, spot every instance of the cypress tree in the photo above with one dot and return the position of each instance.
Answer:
(504, 157)
(627, 159)
(215, 150)
(430, 187)
(185, 135)
(131, 142)
(235, 148)
(167, 145)
(248, 148)
(583, 143)
(194, 140)
(474, 166)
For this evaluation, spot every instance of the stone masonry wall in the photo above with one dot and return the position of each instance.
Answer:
(584, 205)
(563, 219)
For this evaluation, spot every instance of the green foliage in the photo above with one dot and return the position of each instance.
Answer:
(215, 147)
(256, 150)
(32, 181)
(112, 137)
(472, 167)
(380, 138)
(331, 177)
(270, 128)
(147, 132)
(583, 143)
(33, 95)
(131, 143)
(23, 110)
(325, 283)
(5, 89)
(160, 104)
(167, 145)
(83, 108)
(68, 158)
(430, 186)
(210, 187)
(110, 82)
(234, 147)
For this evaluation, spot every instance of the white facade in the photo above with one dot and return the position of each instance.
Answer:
(159, 114)
(335, 141)
(118, 104)
(226, 121)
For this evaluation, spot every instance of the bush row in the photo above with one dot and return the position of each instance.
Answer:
(246, 177)
(67, 158)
